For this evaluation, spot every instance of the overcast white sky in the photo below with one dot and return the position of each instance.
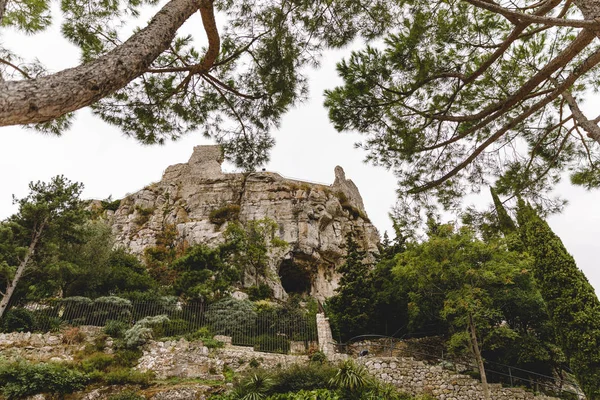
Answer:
(308, 148)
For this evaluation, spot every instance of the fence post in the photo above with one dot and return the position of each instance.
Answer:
(510, 374)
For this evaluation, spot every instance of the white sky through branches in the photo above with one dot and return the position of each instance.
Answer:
(308, 148)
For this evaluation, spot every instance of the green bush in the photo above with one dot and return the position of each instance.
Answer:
(127, 395)
(228, 212)
(318, 357)
(110, 204)
(128, 376)
(142, 331)
(116, 329)
(260, 292)
(303, 377)
(21, 379)
(97, 362)
(18, 320)
(319, 394)
(127, 357)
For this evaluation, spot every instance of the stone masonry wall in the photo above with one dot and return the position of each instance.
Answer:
(185, 359)
(417, 377)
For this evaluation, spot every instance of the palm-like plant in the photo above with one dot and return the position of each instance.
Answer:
(351, 377)
(255, 389)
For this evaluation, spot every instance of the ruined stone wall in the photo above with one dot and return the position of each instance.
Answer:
(314, 219)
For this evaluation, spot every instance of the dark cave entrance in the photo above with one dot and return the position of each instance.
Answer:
(294, 278)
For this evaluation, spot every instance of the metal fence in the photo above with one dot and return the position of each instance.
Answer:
(564, 387)
(277, 330)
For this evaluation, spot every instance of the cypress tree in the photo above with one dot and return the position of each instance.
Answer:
(505, 222)
(571, 301)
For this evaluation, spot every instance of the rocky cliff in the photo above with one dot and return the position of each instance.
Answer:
(194, 199)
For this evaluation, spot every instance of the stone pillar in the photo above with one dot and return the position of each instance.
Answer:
(325, 336)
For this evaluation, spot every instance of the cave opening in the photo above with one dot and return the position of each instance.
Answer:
(294, 277)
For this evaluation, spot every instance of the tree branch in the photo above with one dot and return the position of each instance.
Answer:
(6, 62)
(513, 16)
(49, 97)
(590, 127)
(214, 41)
(581, 69)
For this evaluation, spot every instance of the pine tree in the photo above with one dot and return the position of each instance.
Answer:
(571, 301)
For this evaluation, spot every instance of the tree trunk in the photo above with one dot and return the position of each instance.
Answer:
(46, 98)
(22, 266)
(478, 359)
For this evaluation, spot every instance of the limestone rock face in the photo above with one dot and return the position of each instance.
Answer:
(314, 219)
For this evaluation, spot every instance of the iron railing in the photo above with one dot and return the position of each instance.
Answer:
(276, 331)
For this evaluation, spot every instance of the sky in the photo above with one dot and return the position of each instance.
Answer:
(308, 148)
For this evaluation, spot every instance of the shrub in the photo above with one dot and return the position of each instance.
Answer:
(352, 380)
(18, 320)
(141, 332)
(127, 357)
(73, 335)
(110, 204)
(127, 395)
(127, 376)
(302, 377)
(143, 215)
(228, 212)
(20, 379)
(260, 292)
(115, 329)
(319, 394)
(97, 362)
(318, 357)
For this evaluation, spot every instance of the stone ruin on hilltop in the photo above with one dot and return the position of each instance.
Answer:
(313, 218)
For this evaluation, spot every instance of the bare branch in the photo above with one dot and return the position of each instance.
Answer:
(6, 62)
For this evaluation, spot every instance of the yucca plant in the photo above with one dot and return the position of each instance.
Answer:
(351, 380)
(255, 388)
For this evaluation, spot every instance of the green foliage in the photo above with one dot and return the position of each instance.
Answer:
(318, 394)
(126, 395)
(229, 212)
(203, 275)
(302, 377)
(318, 357)
(351, 380)
(53, 213)
(115, 329)
(230, 317)
(437, 107)
(142, 331)
(260, 292)
(110, 205)
(21, 379)
(250, 245)
(352, 306)
(143, 214)
(572, 304)
(128, 376)
(18, 320)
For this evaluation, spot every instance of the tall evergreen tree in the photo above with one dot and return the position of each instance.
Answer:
(571, 301)
(353, 306)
